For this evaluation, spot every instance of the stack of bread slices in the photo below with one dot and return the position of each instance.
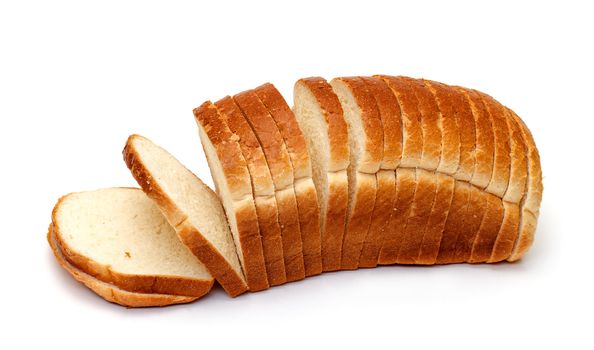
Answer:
(363, 171)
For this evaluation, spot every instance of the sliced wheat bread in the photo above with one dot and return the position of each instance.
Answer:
(119, 236)
(321, 120)
(190, 206)
(305, 191)
(281, 169)
(109, 291)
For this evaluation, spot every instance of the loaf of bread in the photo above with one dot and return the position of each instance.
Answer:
(362, 171)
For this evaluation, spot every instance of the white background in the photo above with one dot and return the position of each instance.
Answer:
(76, 79)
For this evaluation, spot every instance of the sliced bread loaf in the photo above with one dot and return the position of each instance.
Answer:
(119, 236)
(192, 208)
(321, 120)
(305, 191)
(109, 291)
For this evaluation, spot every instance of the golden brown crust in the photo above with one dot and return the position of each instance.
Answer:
(335, 220)
(160, 284)
(405, 188)
(337, 128)
(382, 210)
(309, 222)
(389, 110)
(451, 143)
(373, 148)
(488, 230)
(508, 233)
(430, 124)
(485, 150)
(472, 220)
(418, 218)
(455, 223)
(412, 141)
(279, 163)
(111, 292)
(305, 194)
(359, 221)
(502, 162)
(218, 266)
(237, 176)
(437, 220)
(530, 205)
(263, 187)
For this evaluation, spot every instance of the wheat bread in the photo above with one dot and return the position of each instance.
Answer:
(321, 120)
(119, 236)
(190, 206)
(267, 210)
(305, 191)
(109, 291)
(279, 163)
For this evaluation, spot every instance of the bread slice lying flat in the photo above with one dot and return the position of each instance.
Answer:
(119, 236)
(109, 291)
(192, 208)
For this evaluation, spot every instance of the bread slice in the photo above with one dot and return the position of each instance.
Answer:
(530, 204)
(485, 149)
(455, 222)
(281, 169)
(192, 208)
(489, 229)
(390, 114)
(405, 191)
(305, 191)
(420, 212)
(321, 120)
(233, 183)
(263, 188)
(119, 236)
(109, 291)
(436, 223)
(366, 152)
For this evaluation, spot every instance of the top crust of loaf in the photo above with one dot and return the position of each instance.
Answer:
(237, 176)
(485, 151)
(270, 138)
(352, 92)
(412, 141)
(389, 111)
(288, 127)
(330, 108)
(186, 276)
(215, 250)
(430, 123)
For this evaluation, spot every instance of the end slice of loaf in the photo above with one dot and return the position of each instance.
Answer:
(119, 236)
(190, 206)
(109, 291)
(321, 120)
